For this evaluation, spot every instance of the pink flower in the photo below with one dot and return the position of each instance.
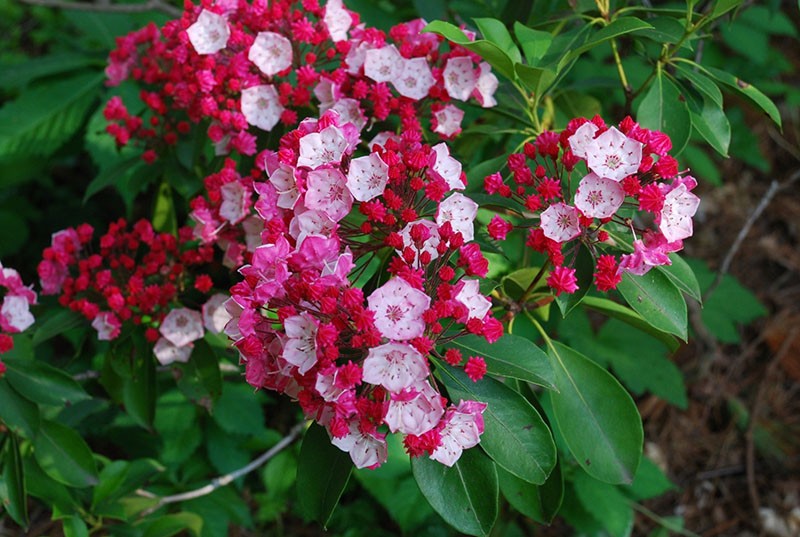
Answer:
(181, 326)
(210, 33)
(395, 366)
(215, 314)
(446, 167)
(562, 280)
(560, 222)
(460, 211)
(447, 120)
(398, 309)
(597, 197)
(366, 450)
(167, 353)
(583, 137)
(15, 316)
(415, 80)
(235, 202)
(475, 368)
(383, 64)
(459, 77)
(107, 325)
(324, 147)
(261, 106)
(300, 347)
(337, 19)
(271, 53)
(486, 86)
(415, 410)
(613, 155)
(675, 220)
(469, 295)
(498, 228)
(463, 426)
(367, 177)
(327, 192)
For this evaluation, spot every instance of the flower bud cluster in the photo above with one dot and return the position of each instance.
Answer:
(136, 276)
(354, 350)
(627, 181)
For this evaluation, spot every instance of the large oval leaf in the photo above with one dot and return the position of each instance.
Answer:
(510, 356)
(17, 413)
(657, 300)
(465, 495)
(497, 57)
(515, 435)
(12, 488)
(596, 416)
(322, 476)
(664, 109)
(64, 456)
(44, 384)
(539, 502)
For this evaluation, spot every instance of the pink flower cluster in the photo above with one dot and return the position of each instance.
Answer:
(15, 314)
(352, 350)
(628, 174)
(244, 68)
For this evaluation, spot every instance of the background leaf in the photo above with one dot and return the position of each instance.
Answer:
(64, 455)
(657, 300)
(323, 475)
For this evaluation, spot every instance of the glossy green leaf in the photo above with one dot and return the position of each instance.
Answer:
(515, 435)
(616, 28)
(74, 526)
(200, 378)
(139, 391)
(534, 43)
(536, 79)
(57, 324)
(539, 502)
(64, 455)
(110, 479)
(723, 6)
(169, 525)
(657, 300)
(713, 125)
(115, 175)
(44, 384)
(584, 267)
(17, 413)
(322, 477)
(701, 82)
(682, 275)
(18, 75)
(510, 356)
(238, 410)
(749, 91)
(650, 482)
(496, 32)
(605, 503)
(596, 416)
(465, 495)
(13, 494)
(626, 314)
(45, 117)
(165, 219)
(492, 53)
(42, 486)
(666, 30)
(664, 109)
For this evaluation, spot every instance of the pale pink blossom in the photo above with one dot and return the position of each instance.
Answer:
(324, 147)
(486, 86)
(210, 33)
(335, 270)
(395, 366)
(326, 191)
(597, 197)
(463, 426)
(252, 227)
(560, 222)
(315, 252)
(447, 121)
(311, 222)
(675, 220)
(337, 19)
(652, 251)
(167, 353)
(459, 77)
(414, 410)
(357, 56)
(261, 106)
(398, 309)
(15, 315)
(584, 135)
(327, 92)
(215, 314)
(181, 326)
(415, 79)
(107, 325)
(444, 166)
(300, 345)
(269, 268)
(613, 155)
(235, 202)
(271, 53)
(367, 177)
(471, 297)
(267, 203)
(429, 245)
(366, 450)
(283, 179)
(460, 211)
(383, 64)
(349, 111)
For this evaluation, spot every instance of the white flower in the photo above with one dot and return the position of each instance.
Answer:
(181, 326)
(415, 80)
(271, 53)
(210, 33)
(459, 77)
(261, 106)
(460, 211)
(613, 155)
(560, 222)
(597, 197)
(367, 177)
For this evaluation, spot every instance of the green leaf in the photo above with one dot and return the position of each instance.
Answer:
(624, 313)
(64, 455)
(322, 476)
(465, 495)
(666, 30)
(496, 32)
(116, 175)
(701, 82)
(712, 124)
(164, 218)
(723, 6)
(650, 482)
(510, 356)
(139, 391)
(18, 75)
(515, 436)
(13, 494)
(53, 493)
(605, 503)
(15, 233)
(539, 502)
(44, 384)
(664, 109)
(584, 266)
(596, 416)
(535, 43)
(74, 526)
(618, 27)
(45, 117)
(200, 378)
(57, 324)
(657, 300)
(749, 91)
(238, 410)
(225, 451)
(169, 525)
(492, 53)
(111, 478)
(17, 413)
(682, 275)
(536, 79)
